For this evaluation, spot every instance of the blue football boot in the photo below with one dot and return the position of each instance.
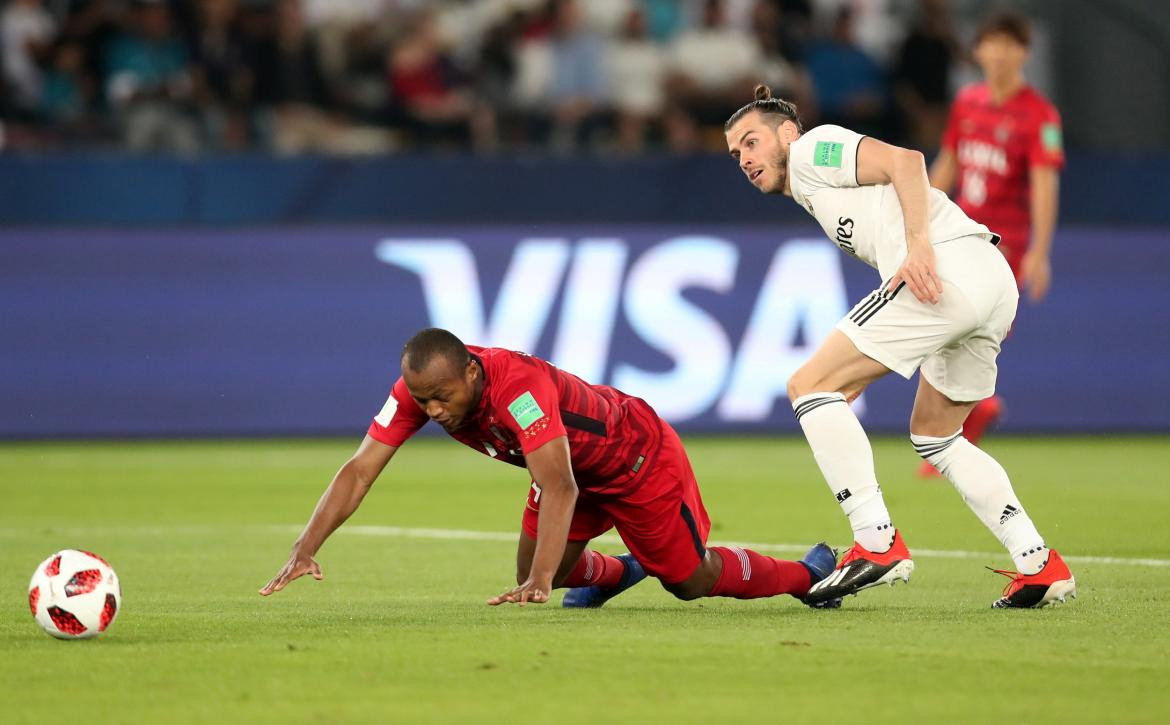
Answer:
(594, 596)
(821, 561)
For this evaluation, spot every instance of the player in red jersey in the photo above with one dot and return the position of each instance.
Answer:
(598, 459)
(1002, 146)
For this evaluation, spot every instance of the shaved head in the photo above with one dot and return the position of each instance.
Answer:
(431, 343)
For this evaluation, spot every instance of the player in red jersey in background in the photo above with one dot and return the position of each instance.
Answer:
(598, 459)
(1002, 147)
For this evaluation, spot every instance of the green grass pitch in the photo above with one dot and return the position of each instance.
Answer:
(398, 631)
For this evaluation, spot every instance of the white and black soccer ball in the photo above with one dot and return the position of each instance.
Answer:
(74, 594)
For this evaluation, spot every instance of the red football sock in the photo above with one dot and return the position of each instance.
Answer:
(595, 569)
(982, 416)
(748, 575)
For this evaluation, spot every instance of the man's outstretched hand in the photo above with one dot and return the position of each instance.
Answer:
(298, 565)
(529, 591)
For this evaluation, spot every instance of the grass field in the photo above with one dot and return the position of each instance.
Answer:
(398, 631)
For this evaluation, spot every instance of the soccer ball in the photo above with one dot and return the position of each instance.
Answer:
(74, 594)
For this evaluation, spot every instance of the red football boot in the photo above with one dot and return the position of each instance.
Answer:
(1051, 584)
(861, 569)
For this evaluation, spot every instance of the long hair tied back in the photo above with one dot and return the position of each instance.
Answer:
(765, 104)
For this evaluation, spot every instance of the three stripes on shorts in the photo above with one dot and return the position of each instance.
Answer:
(877, 299)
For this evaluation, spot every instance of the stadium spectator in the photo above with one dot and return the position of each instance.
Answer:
(922, 76)
(68, 94)
(298, 113)
(223, 80)
(577, 90)
(348, 33)
(767, 26)
(429, 96)
(94, 24)
(783, 27)
(710, 67)
(27, 31)
(664, 18)
(149, 85)
(606, 17)
(637, 68)
(849, 86)
(495, 67)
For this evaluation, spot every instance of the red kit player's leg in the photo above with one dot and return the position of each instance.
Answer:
(665, 525)
(594, 569)
(589, 568)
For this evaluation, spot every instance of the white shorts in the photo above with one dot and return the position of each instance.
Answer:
(954, 342)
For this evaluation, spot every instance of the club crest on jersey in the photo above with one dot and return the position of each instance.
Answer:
(827, 153)
(525, 410)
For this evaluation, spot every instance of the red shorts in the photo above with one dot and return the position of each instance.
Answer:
(662, 521)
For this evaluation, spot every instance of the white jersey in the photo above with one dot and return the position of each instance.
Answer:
(865, 221)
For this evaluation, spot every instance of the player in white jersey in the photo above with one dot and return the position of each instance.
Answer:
(946, 303)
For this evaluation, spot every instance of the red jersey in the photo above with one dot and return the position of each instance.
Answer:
(996, 147)
(528, 402)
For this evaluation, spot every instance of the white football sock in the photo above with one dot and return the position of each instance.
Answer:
(843, 453)
(984, 485)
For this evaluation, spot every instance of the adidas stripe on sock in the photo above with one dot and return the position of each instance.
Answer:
(985, 486)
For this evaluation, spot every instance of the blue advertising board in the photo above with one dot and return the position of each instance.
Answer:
(259, 331)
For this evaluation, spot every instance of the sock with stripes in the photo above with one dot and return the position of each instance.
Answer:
(595, 569)
(985, 486)
(748, 575)
(843, 453)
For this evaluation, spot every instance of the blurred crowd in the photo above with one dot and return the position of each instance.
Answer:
(377, 76)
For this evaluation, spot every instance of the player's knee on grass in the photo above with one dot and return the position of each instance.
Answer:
(685, 590)
(701, 582)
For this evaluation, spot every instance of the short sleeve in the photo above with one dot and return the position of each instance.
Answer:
(399, 419)
(529, 407)
(825, 158)
(1047, 143)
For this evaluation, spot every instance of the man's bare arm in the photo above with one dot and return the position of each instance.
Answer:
(905, 169)
(552, 470)
(1036, 267)
(340, 500)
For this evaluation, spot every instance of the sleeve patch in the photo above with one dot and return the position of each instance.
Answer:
(525, 410)
(1050, 136)
(827, 153)
(386, 415)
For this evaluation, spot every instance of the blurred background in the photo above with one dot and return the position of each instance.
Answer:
(618, 77)
(224, 217)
